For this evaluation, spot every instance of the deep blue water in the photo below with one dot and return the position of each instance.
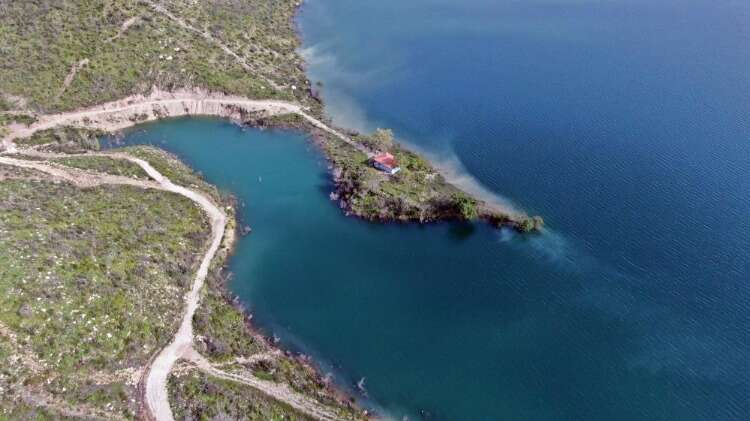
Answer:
(623, 123)
(626, 124)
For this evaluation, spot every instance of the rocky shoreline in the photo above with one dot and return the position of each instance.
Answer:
(234, 231)
(347, 189)
(418, 193)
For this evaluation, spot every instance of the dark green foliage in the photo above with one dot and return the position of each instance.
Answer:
(380, 140)
(466, 206)
(292, 121)
(25, 119)
(223, 330)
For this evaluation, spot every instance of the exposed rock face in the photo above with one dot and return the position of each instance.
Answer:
(159, 104)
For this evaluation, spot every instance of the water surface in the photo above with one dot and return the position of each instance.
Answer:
(623, 123)
(626, 124)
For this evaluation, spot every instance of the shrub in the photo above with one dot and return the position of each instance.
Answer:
(530, 224)
(466, 206)
(380, 140)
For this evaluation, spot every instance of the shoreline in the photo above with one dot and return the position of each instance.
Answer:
(232, 235)
(498, 213)
(118, 115)
(114, 116)
(433, 201)
(222, 213)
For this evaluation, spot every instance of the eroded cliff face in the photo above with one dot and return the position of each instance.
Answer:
(136, 109)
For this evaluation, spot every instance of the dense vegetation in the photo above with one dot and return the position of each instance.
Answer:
(103, 164)
(198, 396)
(64, 139)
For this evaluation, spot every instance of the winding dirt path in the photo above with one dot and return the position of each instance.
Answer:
(71, 75)
(157, 399)
(181, 347)
(279, 391)
(124, 28)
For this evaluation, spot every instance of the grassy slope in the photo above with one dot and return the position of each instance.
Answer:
(41, 40)
(104, 164)
(91, 283)
(123, 229)
(64, 139)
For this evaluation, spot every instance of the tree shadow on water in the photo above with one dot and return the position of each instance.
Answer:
(461, 231)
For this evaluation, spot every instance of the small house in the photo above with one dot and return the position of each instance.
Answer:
(386, 162)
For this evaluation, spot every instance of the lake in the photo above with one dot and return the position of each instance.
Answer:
(624, 123)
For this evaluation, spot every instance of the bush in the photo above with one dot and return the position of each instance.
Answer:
(466, 206)
(380, 140)
(530, 224)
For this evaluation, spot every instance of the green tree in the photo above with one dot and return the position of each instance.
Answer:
(381, 139)
(466, 206)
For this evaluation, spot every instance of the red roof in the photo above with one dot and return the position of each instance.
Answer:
(385, 159)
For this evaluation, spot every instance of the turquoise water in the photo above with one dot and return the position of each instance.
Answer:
(623, 123)
(459, 321)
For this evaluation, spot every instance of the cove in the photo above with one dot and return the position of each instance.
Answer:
(444, 321)
(366, 300)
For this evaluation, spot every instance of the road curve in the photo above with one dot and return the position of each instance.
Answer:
(157, 399)
(156, 395)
